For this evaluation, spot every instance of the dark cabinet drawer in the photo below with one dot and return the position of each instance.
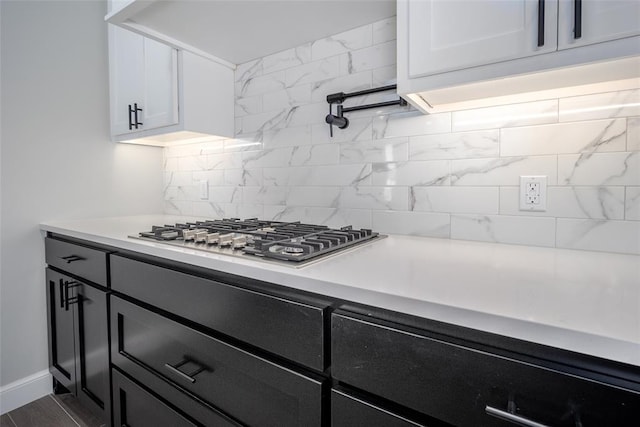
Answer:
(287, 328)
(249, 389)
(348, 411)
(88, 263)
(135, 407)
(460, 384)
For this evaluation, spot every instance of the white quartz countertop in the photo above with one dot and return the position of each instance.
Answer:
(588, 302)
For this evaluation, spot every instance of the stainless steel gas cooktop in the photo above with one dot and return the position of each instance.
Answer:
(291, 243)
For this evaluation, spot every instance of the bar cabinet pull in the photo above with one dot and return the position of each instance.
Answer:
(577, 19)
(135, 110)
(188, 377)
(71, 258)
(68, 301)
(61, 293)
(541, 23)
(130, 112)
(512, 417)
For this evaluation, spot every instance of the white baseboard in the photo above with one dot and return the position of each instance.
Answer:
(25, 390)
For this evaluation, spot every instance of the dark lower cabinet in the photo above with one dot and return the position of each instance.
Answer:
(183, 365)
(349, 411)
(465, 386)
(135, 407)
(79, 340)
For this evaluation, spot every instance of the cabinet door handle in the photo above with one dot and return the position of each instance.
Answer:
(513, 418)
(68, 301)
(130, 112)
(61, 293)
(71, 258)
(541, 23)
(577, 19)
(135, 110)
(190, 376)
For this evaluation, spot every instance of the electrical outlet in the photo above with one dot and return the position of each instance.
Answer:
(204, 189)
(533, 193)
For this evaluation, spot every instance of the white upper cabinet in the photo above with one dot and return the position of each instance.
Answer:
(144, 82)
(596, 21)
(451, 35)
(457, 54)
(161, 96)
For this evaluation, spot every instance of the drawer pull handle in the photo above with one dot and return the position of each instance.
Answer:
(515, 419)
(190, 376)
(71, 258)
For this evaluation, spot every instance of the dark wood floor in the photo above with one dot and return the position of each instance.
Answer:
(51, 411)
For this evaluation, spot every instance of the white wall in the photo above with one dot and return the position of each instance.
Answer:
(57, 158)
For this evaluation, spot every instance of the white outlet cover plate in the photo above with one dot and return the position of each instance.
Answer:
(541, 205)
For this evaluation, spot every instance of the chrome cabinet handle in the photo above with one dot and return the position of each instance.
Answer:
(188, 377)
(515, 419)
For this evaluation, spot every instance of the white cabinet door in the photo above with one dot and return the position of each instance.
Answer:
(126, 75)
(160, 103)
(446, 35)
(599, 21)
(143, 73)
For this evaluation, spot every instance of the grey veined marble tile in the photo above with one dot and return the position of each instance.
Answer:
(334, 175)
(424, 224)
(604, 105)
(633, 134)
(459, 145)
(570, 202)
(578, 137)
(376, 151)
(504, 229)
(599, 235)
(347, 41)
(599, 169)
(530, 113)
(332, 217)
(502, 171)
(632, 204)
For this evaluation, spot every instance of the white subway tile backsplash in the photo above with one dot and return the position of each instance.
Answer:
(264, 195)
(248, 70)
(504, 229)
(384, 31)
(261, 84)
(286, 59)
(600, 106)
(455, 199)
(369, 58)
(435, 172)
(384, 76)
(348, 83)
(347, 41)
(338, 175)
(287, 98)
(332, 217)
(633, 134)
(576, 137)
(451, 175)
(412, 223)
(632, 204)
(532, 113)
(502, 171)
(599, 235)
(570, 202)
(313, 72)
(375, 151)
(248, 105)
(410, 124)
(242, 177)
(599, 169)
(459, 145)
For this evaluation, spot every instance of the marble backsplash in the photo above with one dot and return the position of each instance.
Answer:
(450, 175)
